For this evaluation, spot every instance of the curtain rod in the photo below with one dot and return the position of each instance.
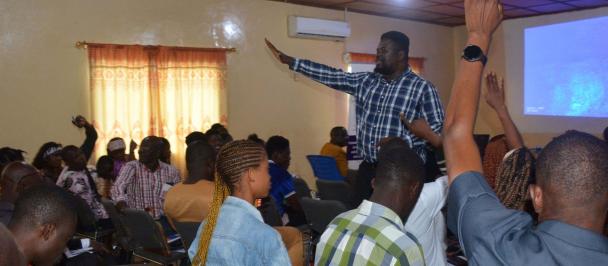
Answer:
(85, 45)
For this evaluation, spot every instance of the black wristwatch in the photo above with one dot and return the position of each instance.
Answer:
(473, 53)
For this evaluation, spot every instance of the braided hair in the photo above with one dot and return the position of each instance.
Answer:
(233, 160)
(513, 177)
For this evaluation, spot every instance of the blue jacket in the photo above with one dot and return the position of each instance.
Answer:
(242, 238)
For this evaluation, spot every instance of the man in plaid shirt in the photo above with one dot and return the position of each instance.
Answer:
(380, 96)
(374, 233)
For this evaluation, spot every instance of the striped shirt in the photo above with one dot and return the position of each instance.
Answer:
(379, 102)
(369, 235)
(141, 188)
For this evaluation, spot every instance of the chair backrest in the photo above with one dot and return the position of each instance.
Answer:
(334, 190)
(121, 234)
(324, 167)
(187, 230)
(145, 232)
(319, 213)
(302, 189)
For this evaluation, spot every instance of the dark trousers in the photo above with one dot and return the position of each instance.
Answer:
(363, 182)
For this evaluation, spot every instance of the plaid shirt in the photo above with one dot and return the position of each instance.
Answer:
(379, 102)
(142, 189)
(369, 235)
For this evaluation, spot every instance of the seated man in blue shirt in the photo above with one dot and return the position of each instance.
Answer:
(282, 189)
(570, 195)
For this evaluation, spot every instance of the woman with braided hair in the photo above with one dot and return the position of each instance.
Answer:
(234, 233)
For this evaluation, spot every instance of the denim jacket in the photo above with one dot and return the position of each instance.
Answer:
(241, 237)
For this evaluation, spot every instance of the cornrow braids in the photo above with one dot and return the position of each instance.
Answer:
(513, 177)
(233, 160)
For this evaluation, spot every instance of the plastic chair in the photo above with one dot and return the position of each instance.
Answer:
(334, 190)
(325, 167)
(187, 230)
(319, 213)
(149, 238)
(120, 232)
(302, 189)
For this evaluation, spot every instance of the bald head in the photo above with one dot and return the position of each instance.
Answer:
(572, 170)
(17, 177)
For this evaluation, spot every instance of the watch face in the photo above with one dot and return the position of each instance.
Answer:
(472, 52)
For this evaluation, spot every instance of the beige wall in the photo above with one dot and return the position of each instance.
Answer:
(44, 78)
(506, 59)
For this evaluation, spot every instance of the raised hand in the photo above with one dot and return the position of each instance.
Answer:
(79, 121)
(285, 59)
(482, 16)
(495, 94)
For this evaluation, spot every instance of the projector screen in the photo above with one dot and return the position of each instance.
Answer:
(566, 69)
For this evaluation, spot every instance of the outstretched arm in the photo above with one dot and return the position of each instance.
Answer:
(462, 155)
(329, 76)
(495, 97)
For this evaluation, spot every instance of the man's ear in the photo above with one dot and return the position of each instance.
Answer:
(46, 231)
(402, 56)
(536, 194)
(373, 183)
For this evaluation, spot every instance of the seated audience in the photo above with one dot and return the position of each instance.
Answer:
(195, 136)
(116, 150)
(189, 200)
(105, 176)
(334, 148)
(234, 232)
(14, 179)
(570, 203)
(78, 179)
(8, 155)
(43, 222)
(218, 136)
(142, 184)
(48, 158)
(165, 154)
(374, 233)
(282, 187)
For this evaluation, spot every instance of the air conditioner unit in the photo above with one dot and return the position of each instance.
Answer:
(314, 28)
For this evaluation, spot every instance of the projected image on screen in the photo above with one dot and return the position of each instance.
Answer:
(566, 69)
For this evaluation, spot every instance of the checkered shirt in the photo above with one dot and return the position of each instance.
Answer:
(369, 235)
(379, 102)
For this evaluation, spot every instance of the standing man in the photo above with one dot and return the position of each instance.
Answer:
(380, 96)
(142, 184)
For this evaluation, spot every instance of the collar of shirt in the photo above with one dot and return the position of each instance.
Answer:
(243, 205)
(369, 208)
(575, 235)
(389, 81)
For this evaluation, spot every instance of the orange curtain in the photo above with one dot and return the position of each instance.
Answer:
(416, 63)
(138, 91)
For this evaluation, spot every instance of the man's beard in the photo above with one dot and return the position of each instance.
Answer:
(382, 70)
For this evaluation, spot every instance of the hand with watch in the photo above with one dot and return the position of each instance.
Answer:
(473, 53)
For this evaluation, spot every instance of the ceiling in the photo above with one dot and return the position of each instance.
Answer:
(448, 12)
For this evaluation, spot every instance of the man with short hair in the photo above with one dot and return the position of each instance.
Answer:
(142, 184)
(374, 233)
(282, 188)
(334, 148)
(380, 96)
(43, 222)
(189, 200)
(14, 179)
(570, 194)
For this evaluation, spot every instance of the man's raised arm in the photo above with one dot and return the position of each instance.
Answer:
(482, 18)
(326, 75)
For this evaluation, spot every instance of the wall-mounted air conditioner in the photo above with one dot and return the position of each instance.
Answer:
(315, 28)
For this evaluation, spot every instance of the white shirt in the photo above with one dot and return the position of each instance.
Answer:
(426, 221)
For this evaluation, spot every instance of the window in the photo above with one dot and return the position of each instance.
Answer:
(137, 91)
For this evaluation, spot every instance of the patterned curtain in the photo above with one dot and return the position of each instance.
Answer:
(138, 91)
